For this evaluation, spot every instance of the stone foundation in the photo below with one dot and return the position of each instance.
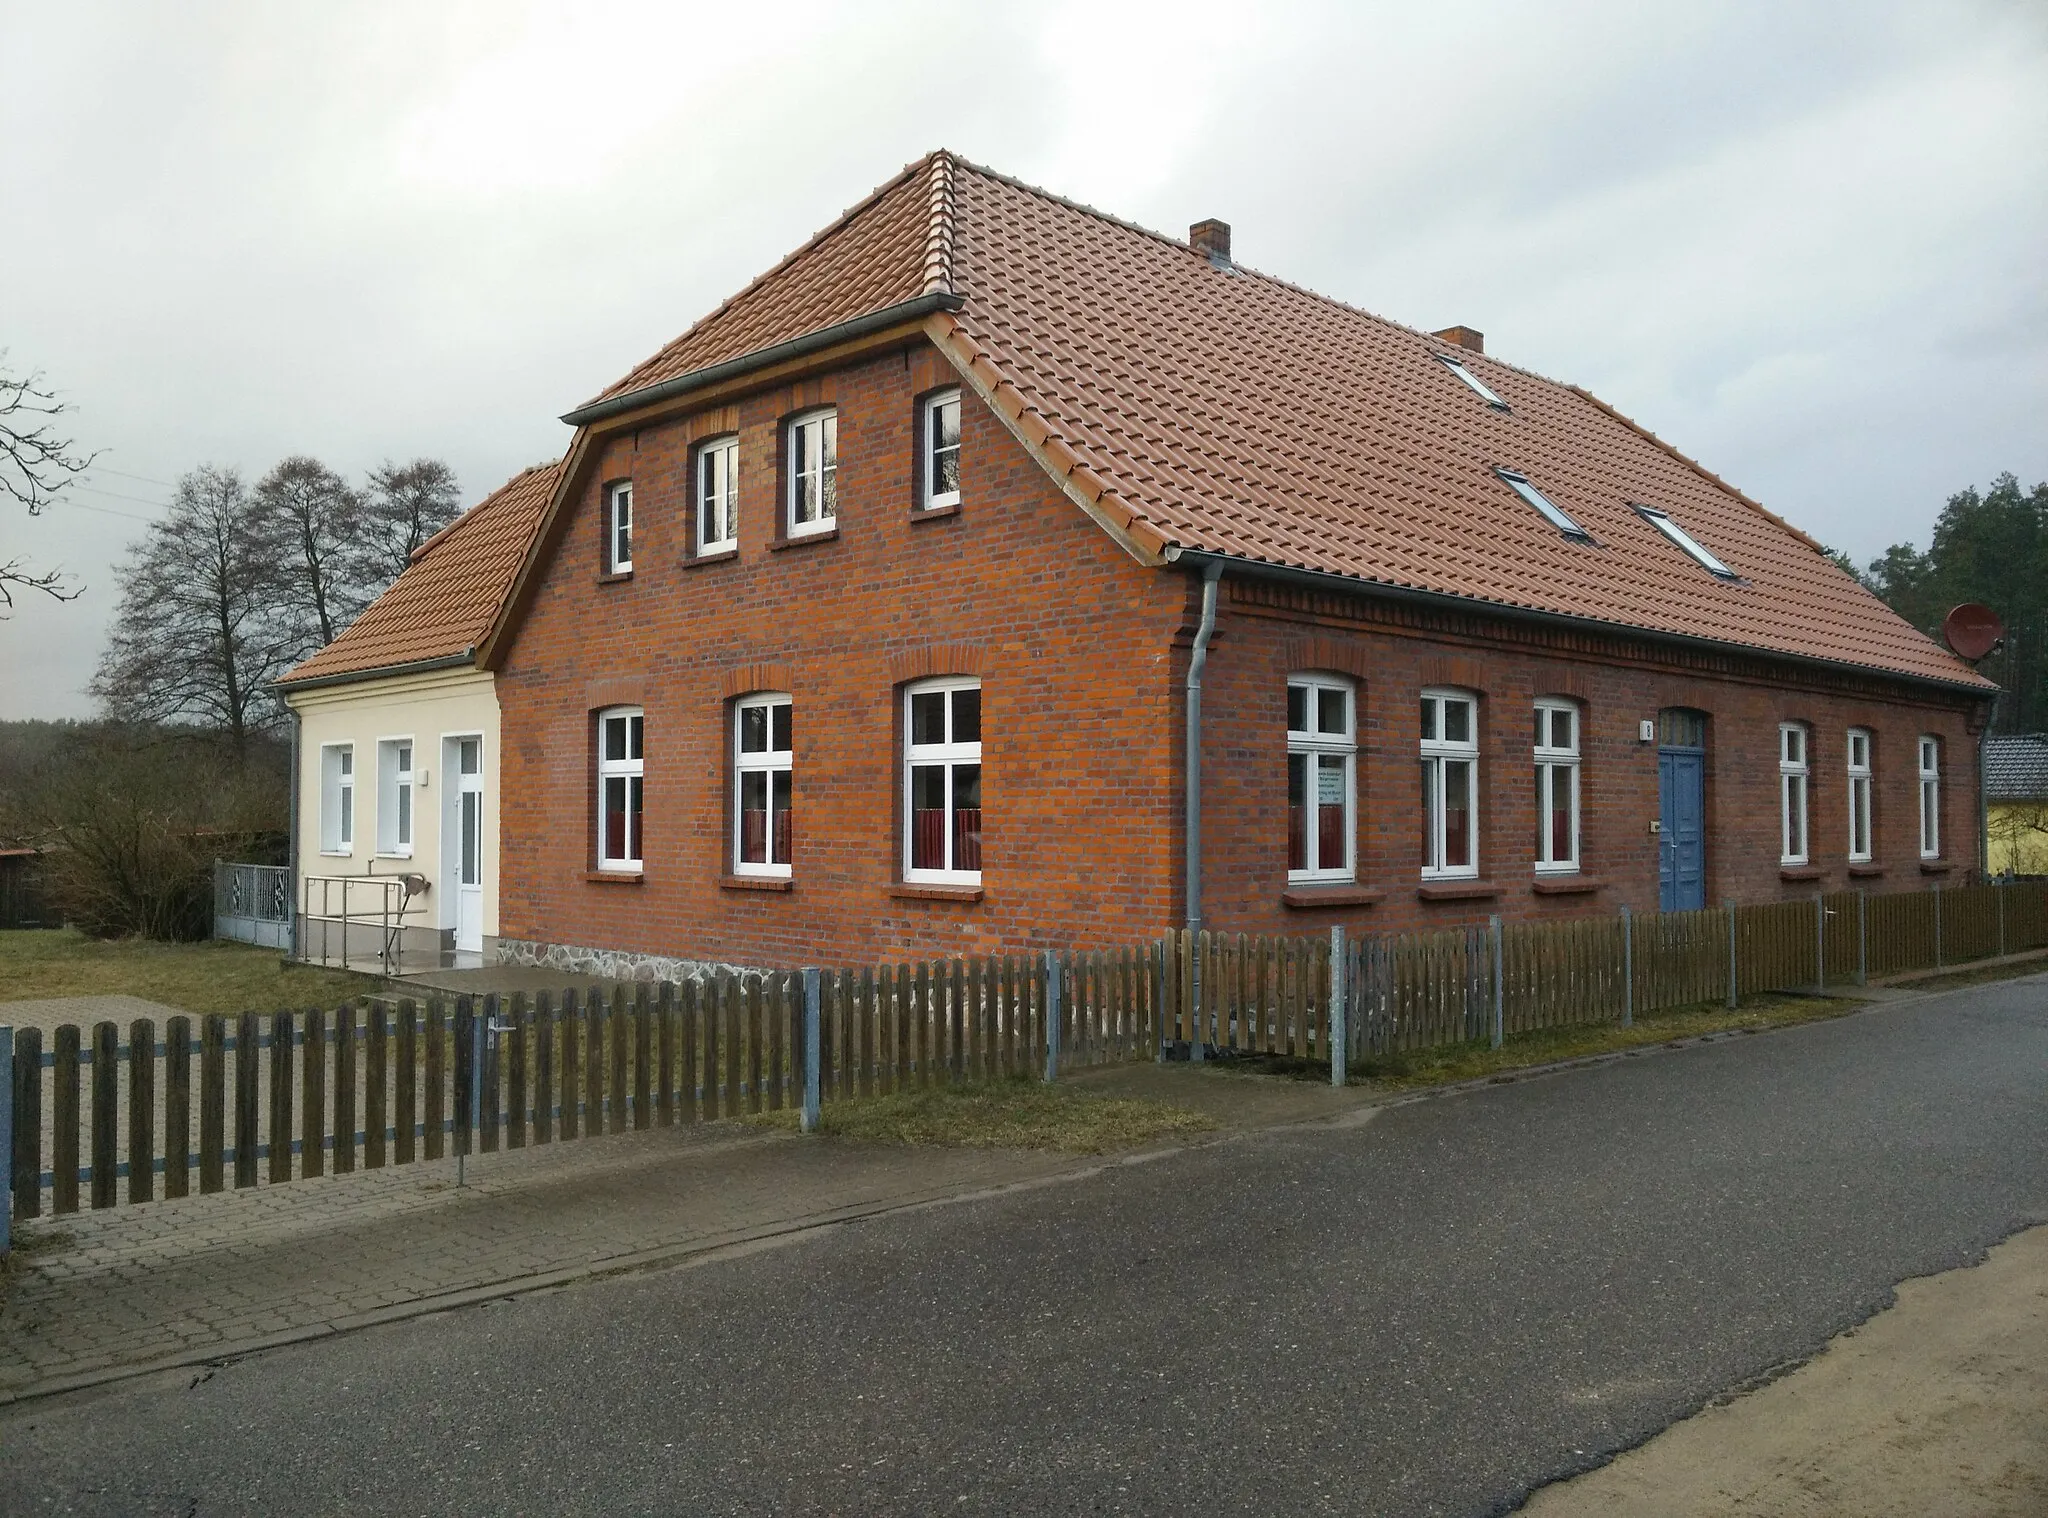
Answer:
(607, 964)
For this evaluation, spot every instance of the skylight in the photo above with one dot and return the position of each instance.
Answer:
(1692, 545)
(1552, 514)
(1474, 381)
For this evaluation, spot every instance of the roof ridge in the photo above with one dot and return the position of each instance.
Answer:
(938, 245)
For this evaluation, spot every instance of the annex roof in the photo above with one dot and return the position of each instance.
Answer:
(440, 607)
(1202, 406)
(2016, 767)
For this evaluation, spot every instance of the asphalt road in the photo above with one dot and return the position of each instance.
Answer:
(1431, 1313)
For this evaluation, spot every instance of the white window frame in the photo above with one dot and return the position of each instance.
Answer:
(337, 798)
(1795, 775)
(823, 425)
(1313, 744)
(397, 805)
(1438, 753)
(1857, 751)
(1557, 765)
(618, 528)
(1692, 546)
(716, 507)
(951, 754)
(933, 498)
(768, 763)
(1929, 750)
(1548, 509)
(1473, 382)
(628, 768)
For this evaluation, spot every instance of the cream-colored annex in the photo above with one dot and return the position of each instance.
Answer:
(395, 820)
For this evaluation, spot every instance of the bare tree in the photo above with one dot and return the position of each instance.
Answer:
(35, 464)
(197, 637)
(406, 504)
(312, 523)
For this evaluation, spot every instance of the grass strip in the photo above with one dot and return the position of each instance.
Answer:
(1019, 1113)
(1982, 975)
(198, 977)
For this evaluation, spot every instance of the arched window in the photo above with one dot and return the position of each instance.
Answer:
(1557, 786)
(1322, 759)
(942, 782)
(621, 775)
(1794, 773)
(1450, 784)
(764, 773)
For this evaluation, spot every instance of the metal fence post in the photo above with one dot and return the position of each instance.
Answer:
(1728, 906)
(1998, 895)
(1053, 1014)
(811, 1052)
(1937, 925)
(1820, 941)
(7, 1140)
(1493, 924)
(1628, 969)
(1862, 938)
(1340, 1041)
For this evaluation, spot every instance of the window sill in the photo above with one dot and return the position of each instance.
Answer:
(1308, 894)
(1567, 885)
(1865, 871)
(716, 556)
(1456, 890)
(1935, 866)
(933, 513)
(804, 539)
(1800, 872)
(904, 891)
(756, 883)
(615, 877)
(392, 854)
(337, 853)
(615, 577)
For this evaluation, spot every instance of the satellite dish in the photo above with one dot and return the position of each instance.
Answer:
(1972, 630)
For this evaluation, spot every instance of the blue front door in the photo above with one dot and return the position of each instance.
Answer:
(1681, 831)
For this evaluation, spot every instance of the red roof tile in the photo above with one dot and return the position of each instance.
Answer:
(1217, 409)
(450, 593)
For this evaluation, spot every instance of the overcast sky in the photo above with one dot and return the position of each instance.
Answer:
(1804, 243)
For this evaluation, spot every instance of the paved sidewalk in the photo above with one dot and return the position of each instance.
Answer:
(99, 1295)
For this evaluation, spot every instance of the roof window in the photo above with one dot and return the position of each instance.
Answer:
(1692, 545)
(1478, 386)
(1552, 514)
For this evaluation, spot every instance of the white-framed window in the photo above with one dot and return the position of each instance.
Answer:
(1450, 784)
(337, 798)
(761, 761)
(942, 782)
(621, 774)
(618, 528)
(1794, 771)
(1322, 761)
(1473, 382)
(1707, 560)
(813, 473)
(394, 796)
(1930, 797)
(1859, 795)
(942, 449)
(1557, 786)
(718, 495)
(1548, 509)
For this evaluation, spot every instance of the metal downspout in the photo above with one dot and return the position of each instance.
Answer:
(1983, 802)
(291, 878)
(1211, 573)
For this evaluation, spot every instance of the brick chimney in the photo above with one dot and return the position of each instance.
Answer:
(1211, 239)
(1469, 338)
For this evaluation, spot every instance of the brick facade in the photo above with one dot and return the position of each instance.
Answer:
(1081, 651)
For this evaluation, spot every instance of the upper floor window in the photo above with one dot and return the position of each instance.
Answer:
(1662, 522)
(1450, 784)
(942, 782)
(1859, 795)
(1793, 773)
(1557, 786)
(618, 528)
(1322, 757)
(942, 449)
(337, 798)
(1930, 797)
(1473, 382)
(394, 796)
(621, 774)
(762, 765)
(718, 495)
(813, 473)
(1552, 513)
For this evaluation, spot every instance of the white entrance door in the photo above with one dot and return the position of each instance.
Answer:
(465, 843)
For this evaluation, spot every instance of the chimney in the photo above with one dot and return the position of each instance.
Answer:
(1469, 338)
(1211, 239)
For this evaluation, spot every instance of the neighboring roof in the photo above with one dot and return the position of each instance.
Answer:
(1197, 406)
(2016, 768)
(450, 592)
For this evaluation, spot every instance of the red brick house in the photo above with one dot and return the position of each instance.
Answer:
(880, 612)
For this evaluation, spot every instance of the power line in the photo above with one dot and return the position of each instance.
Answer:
(117, 495)
(145, 479)
(109, 511)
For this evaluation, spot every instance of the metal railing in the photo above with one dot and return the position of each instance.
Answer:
(352, 920)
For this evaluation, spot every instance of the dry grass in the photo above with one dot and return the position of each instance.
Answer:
(198, 977)
(1982, 975)
(1012, 1114)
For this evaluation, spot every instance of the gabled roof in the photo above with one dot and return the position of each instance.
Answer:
(2016, 767)
(441, 606)
(1196, 406)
